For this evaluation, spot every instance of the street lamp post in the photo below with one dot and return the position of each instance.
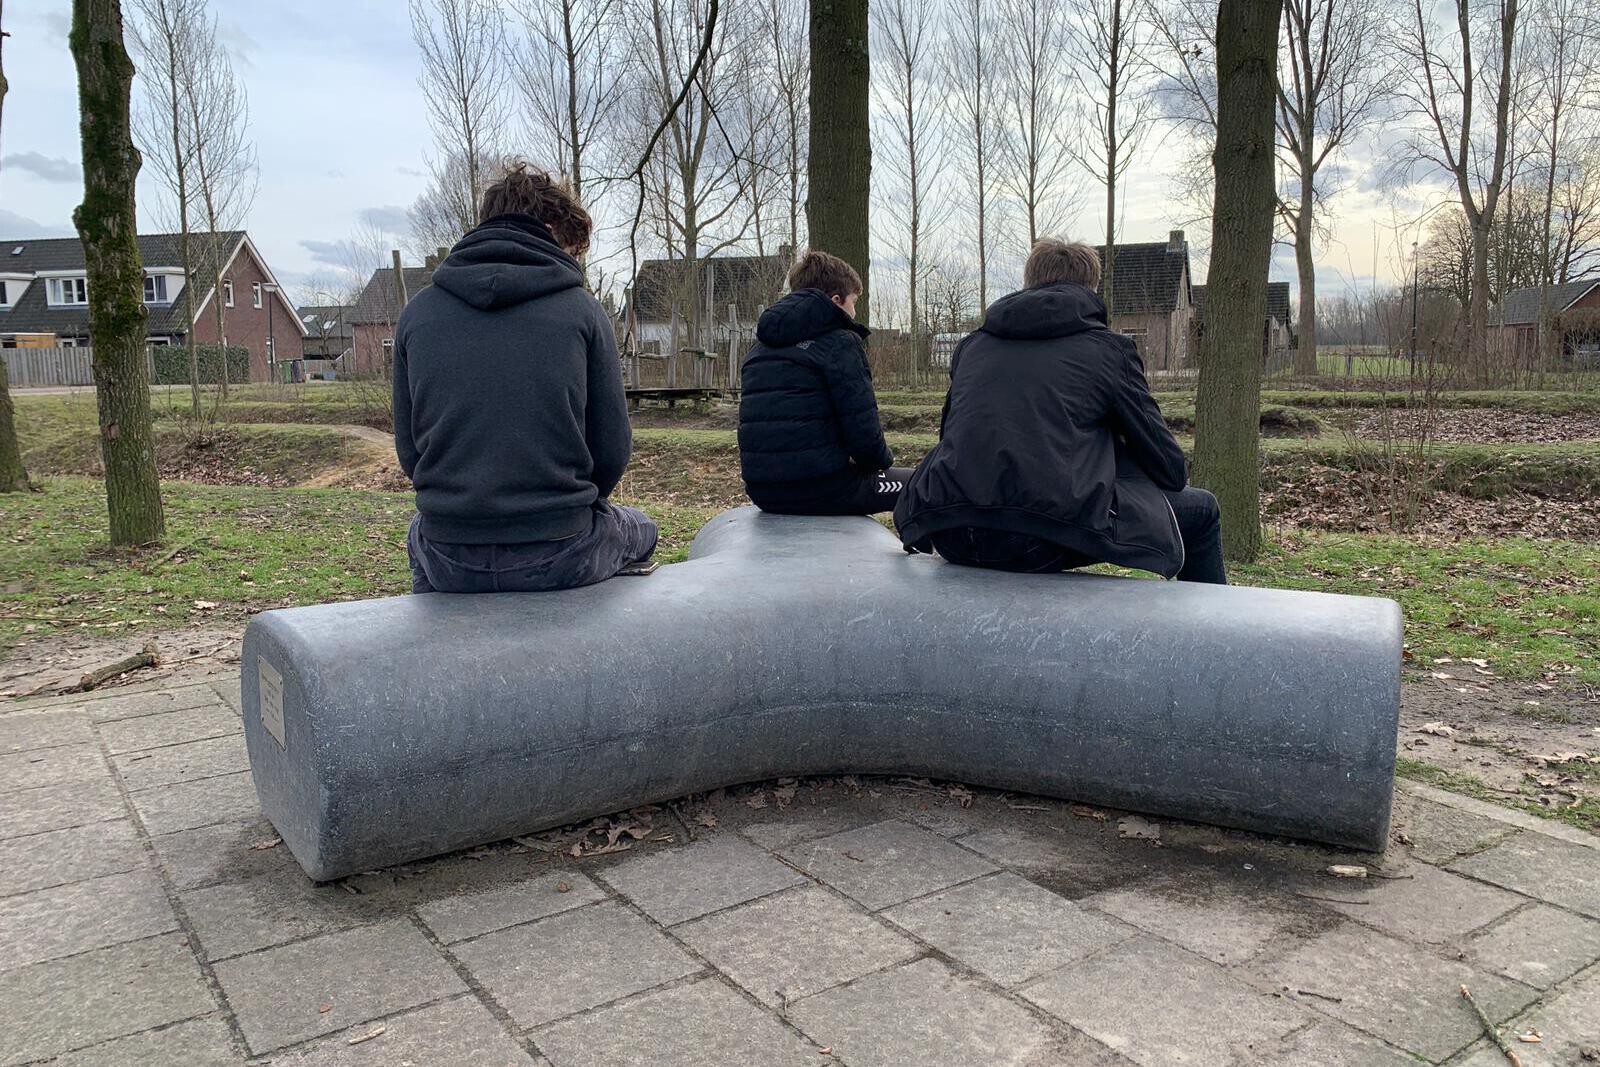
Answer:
(272, 351)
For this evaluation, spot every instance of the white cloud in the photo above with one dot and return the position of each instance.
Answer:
(47, 168)
(20, 227)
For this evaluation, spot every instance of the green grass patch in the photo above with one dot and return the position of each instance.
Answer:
(1585, 814)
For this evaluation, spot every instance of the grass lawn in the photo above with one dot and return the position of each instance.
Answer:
(1585, 814)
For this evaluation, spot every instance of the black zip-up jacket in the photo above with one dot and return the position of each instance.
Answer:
(509, 411)
(1049, 429)
(808, 418)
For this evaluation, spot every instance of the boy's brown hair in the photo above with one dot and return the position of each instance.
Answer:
(1054, 261)
(820, 270)
(531, 190)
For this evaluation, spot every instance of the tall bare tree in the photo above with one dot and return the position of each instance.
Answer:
(1036, 148)
(107, 225)
(1109, 44)
(1332, 78)
(13, 475)
(1443, 85)
(839, 165)
(784, 28)
(1227, 443)
(464, 83)
(446, 209)
(971, 55)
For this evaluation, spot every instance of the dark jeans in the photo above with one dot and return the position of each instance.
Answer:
(618, 536)
(1199, 523)
(869, 495)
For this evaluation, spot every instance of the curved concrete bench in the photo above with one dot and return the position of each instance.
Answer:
(388, 730)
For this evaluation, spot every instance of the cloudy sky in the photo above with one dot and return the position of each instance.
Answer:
(341, 137)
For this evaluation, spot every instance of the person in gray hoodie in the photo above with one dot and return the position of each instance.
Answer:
(509, 412)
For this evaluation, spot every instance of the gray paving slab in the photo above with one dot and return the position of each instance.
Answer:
(1438, 834)
(273, 909)
(796, 943)
(1157, 1005)
(69, 919)
(51, 766)
(458, 917)
(1331, 1044)
(182, 763)
(578, 959)
(22, 731)
(1006, 928)
(200, 723)
(82, 1000)
(923, 1012)
(1221, 920)
(1559, 872)
(1428, 905)
(1568, 1024)
(112, 706)
(279, 995)
(169, 808)
(204, 1042)
(1077, 862)
(459, 1031)
(1539, 946)
(57, 857)
(229, 690)
(805, 824)
(207, 855)
(56, 807)
(675, 885)
(700, 1024)
(1405, 995)
(887, 862)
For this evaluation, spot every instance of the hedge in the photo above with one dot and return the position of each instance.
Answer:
(172, 364)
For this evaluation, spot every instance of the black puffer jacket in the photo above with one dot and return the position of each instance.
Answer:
(808, 419)
(1050, 430)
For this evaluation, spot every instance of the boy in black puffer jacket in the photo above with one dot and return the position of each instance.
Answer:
(810, 442)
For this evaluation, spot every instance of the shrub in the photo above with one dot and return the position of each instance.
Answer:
(172, 364)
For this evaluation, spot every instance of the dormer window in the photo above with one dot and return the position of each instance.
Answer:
(155, 288)
(67, 292)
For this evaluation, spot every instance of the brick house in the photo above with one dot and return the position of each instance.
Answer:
(1151, 299)
(44, 299)
(1575, 319)
(1280, 315)
(376, 311)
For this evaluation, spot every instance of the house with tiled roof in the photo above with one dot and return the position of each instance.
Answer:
(665, 290)
(1280, 315)
(1151, 300)
(44, 296)
(376, 312)
(1575, 321)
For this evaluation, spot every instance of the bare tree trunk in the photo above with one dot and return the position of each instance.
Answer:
(1228, 402)
(1305, 356)
(108, 227)
(13, 476)
(839, 169)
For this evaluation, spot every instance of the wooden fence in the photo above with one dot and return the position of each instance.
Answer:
(35, 368)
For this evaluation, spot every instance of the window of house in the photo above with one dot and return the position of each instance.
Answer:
(227, 294)
(155, 288)
(255, 294)
(1140, 339)
(67, 291)
(388, 347)
(158, 342)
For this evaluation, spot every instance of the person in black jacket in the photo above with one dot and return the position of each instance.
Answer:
(1052, 453)
(810, 442)
(509, 412)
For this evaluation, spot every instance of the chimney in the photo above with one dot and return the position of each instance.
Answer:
(1176, 245)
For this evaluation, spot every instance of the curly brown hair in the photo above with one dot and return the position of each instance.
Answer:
(530, 190)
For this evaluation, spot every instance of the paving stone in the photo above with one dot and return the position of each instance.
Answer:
(1439, 834)
(182, 763)
(1430, 906)
(207, 855)
(169, 808)
(1215, 919)
(51, 766)
(85, 999)
(1552, 870)
(793, 944)
(69, 919)
(1157, 1004)
(55, 807)
(363, 974)
(1405, 995)
(71, 855)
(149, 702)
(170, 728)
(459, 1031)
(674, 885)
(1078, 863)
(579, 959)
(1330, 1044)
(702, 1024)
(456, 918)
(228, 689)
(1007, 928)
(1568, 1023)
(887, 863)
(238, 917)
(922, 1013)
(804, 824)
(205, 1042)
(946, 819)
(25, 730)
(1539, 946)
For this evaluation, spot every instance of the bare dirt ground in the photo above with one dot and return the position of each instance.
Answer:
(53, 662)
(1478, 425)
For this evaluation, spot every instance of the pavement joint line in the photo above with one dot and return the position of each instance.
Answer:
(185, 925)
(121, 1037)
(54, 829)
(259, 1059)
(171, 744)
(70, 881)
(475, 988)
(595, 1009)
(502, 929)
(9, 790)
(730, 907)
(1510, 816)
(189, 781)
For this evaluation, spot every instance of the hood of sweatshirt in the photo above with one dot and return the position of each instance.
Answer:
(802, 315)
(1047, 312)
(505, 261)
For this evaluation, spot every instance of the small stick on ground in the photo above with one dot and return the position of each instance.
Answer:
(143, 658)
(1492, 1030)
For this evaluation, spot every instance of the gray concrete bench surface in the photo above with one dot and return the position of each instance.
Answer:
(389, 730)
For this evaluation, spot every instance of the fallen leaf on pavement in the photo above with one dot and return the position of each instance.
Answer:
(1438, 729)
(271, 842)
